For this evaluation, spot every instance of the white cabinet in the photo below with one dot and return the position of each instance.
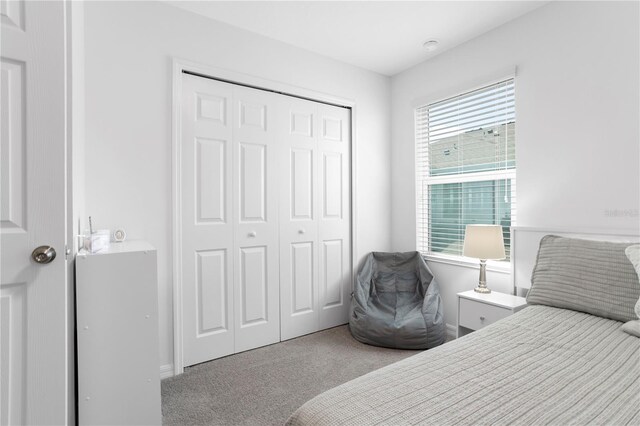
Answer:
(117, 334)
(478, 310)
(264, 214)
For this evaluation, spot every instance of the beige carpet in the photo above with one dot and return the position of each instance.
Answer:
(265, 385)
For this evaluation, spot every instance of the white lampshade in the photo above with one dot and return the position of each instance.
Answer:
(484, 242)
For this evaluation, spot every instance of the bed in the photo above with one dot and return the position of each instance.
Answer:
(543, 365)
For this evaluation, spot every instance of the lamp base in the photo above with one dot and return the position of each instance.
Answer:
(482, 282)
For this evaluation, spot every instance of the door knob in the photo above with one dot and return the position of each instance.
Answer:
(301, 231)
(252, 234)
(43, 254)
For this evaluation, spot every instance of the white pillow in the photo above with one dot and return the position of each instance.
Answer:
(633, 253)
(589, 276)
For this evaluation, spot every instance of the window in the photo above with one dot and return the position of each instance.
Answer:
(466, 167)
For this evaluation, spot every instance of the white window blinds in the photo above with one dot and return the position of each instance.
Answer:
(465, 154)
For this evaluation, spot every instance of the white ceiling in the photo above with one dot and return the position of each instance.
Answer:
(381, 36)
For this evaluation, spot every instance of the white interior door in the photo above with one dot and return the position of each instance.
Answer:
(315, 236)
(34, 340)
(207, 220)
(298, 219)
(256, 285)
(229, 219)
(265, 217)
(334, 224)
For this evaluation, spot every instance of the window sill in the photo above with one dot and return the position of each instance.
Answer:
(467, 262)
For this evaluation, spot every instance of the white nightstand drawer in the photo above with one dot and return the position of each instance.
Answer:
(475, 315)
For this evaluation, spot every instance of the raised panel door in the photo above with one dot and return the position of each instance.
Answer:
(34, 298)
(299, 211)
(266, 206)
(207, 225)
(255, 188)
(334, 223)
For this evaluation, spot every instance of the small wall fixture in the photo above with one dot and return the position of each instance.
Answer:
(430, 45)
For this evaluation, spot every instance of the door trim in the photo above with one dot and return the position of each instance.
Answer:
(179, 66)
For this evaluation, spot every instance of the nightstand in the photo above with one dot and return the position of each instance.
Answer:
(477, 310)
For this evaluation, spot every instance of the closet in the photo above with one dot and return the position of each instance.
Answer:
(265, 217)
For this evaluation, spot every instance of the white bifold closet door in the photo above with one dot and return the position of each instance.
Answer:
(265, 217)
(315, 281)
(229, 220)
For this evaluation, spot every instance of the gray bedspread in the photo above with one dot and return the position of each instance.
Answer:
(542, 365)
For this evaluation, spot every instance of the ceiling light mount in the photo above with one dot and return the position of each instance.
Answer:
(430, 45)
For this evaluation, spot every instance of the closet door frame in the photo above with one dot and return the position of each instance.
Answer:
(180, 66)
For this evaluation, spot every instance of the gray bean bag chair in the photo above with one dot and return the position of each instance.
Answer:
(396, 303)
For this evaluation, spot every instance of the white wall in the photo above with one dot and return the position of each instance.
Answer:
(577, 138)
(129, 46)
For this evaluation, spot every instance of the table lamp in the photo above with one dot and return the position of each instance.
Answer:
(483, 242)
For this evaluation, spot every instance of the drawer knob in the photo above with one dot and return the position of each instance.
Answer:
(481, 318)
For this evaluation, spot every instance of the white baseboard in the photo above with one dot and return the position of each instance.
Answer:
(451, 332)
(166, 371)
